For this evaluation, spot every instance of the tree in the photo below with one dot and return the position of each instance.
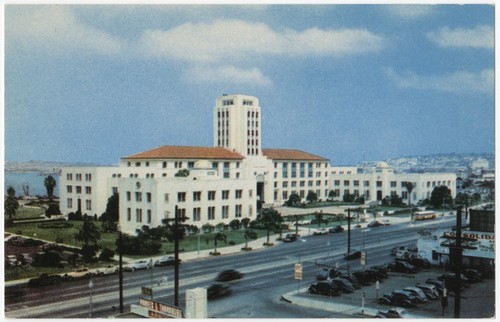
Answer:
(10, 205)
(311, 196)
(216, 238)
(409, 188)
(440, 195)
(348, 197)
(50, 184)
(331, 194)
(293, 199)
(269, 219)
(245, 221)
(112, 209)
(52, 210)
(89, 237)
(182, 173)
(235, 224)
(462, 199)
(249, 234)
(319, 217)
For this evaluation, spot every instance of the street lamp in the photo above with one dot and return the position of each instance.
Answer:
(91, 286)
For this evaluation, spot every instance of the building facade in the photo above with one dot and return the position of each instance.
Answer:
(221, 183)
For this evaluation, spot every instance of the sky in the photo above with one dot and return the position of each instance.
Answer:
(352, 83)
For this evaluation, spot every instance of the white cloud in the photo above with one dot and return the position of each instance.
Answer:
(238, 40)
(227, 74)
(54, 29)
(462, 82)
(478, 37)
(411, 11)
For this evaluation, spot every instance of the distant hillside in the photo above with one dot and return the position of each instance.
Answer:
(45, 167)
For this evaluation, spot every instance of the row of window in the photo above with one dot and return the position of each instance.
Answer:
(302, 171)
(393, 184)
(88, 204)
(196, 215)
(302, 183)
(78, 176)
(211, 195)
(302, 194)
(78, 189)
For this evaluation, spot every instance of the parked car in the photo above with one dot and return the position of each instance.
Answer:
(451, 282)
(11, 260)
(429, 290)
(229, 275)
(81, 272)
(395, 250)
(381, 270)
(320, 231)
(327, 273)
(391, 314)
(351, 279)
(418, 261)
(438, 284)
(106, 270)
(402, 295)
(344, 285)
(218, 290)
(473, 275)
(44, 280)
(396, 300)
(290, 238)
(324, 288)
(403, 254)
(140, 264)
(418, 293)
(402, 267)
(337, 229)
(165, 261)
(363, 278)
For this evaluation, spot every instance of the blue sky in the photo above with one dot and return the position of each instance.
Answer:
(348, 82)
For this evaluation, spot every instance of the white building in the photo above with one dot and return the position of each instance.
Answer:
(224, 182)
(376, 183)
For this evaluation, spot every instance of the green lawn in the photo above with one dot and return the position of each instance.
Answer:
(29, 213)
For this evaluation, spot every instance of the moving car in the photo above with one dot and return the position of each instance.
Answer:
(324, 288)
(218, 290)
(375, 223)
(141, 264)
(78, 273)
(337, 229)
(228, 275)
(353, 255)
(106, 270)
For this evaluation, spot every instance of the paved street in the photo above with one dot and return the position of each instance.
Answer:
(269, 274)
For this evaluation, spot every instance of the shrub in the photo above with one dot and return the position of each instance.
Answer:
(47, 259)
(56, 225)
(106, 255)
(231, 242)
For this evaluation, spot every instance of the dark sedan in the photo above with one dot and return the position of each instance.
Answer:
(218, 290)
(337, 229)
(229, 275)
(324, 288)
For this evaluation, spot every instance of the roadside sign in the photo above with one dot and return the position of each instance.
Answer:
(147, 291)
(363, 257)
(298, 271)
(157, 309)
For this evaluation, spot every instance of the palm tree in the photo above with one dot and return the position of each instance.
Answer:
(217, 237)
(50, 184)
(409, 187)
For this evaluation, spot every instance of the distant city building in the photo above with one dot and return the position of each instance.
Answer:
(480, 164)
(221, 183)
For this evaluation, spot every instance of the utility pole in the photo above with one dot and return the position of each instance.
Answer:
(348, 231)
(457, 252)
(176, 257)
(120, 269)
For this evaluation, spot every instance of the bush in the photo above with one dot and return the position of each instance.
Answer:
(56, 225)
(106, 255)
(231, 242)
(89, 252)
(47, 259)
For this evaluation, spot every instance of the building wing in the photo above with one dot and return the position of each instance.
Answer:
(290, 154)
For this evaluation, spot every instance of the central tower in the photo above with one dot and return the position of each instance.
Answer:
(237, 124)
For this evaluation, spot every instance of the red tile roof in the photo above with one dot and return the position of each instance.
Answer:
(286, 154)
(187, 152)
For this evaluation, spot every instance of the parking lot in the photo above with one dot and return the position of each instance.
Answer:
(477, 300)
